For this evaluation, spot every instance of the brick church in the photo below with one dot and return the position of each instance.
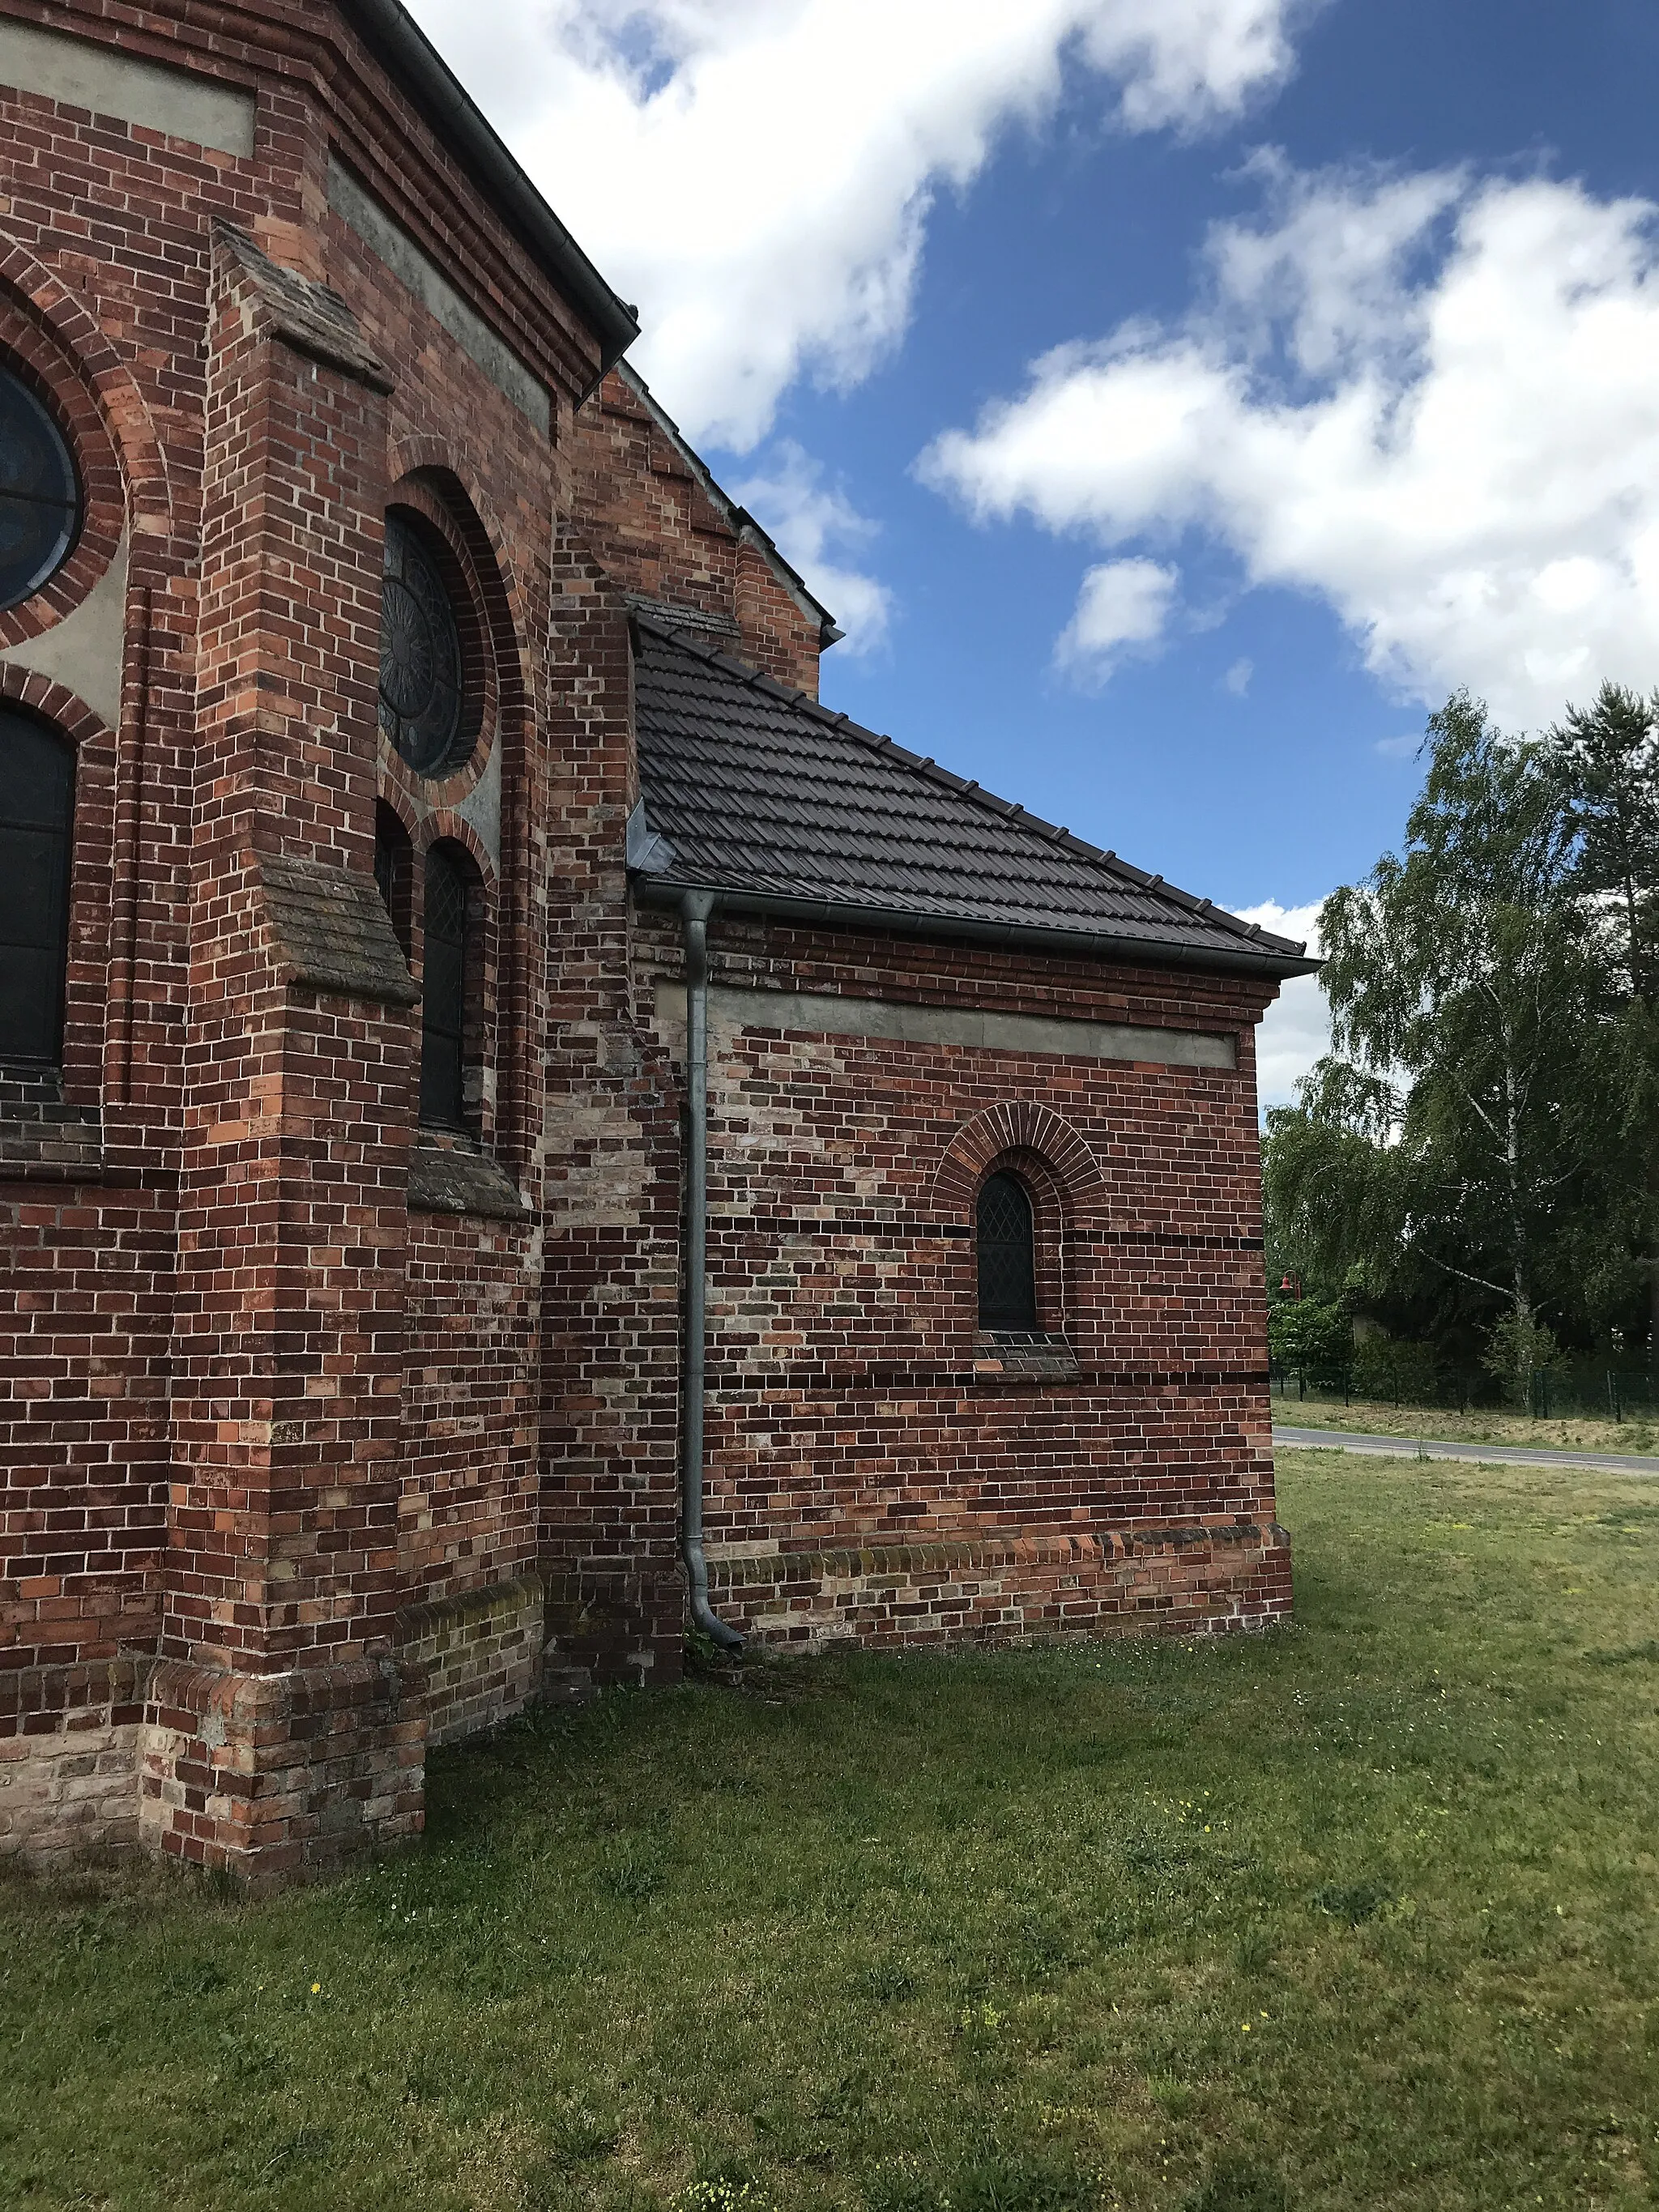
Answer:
(519, 1130)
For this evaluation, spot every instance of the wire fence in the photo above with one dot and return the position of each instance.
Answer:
(1580, 1390)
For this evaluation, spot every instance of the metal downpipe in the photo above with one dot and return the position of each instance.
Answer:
(695, 910)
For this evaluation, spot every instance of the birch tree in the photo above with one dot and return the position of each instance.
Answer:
(1468, 1009)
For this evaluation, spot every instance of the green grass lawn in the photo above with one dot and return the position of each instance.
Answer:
(1480, 1425)
(1359, 1914)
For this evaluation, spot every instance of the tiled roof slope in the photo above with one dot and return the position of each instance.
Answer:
(761, 792)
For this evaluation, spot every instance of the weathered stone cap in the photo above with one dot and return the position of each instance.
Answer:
(329, 929)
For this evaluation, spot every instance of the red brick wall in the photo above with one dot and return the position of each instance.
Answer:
(273, 1439)
(853, 1407)
(104, 267)
(610, 1281)
(653, 526)
(240, 1383)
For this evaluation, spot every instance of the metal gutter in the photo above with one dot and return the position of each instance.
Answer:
(695, 908)
(399, 42)
(831, 914)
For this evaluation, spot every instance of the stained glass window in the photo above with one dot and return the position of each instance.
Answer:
(37, 799)
(40, 495)
(421, 673)
(1007, 1256)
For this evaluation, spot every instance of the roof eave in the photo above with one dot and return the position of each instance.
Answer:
(1250, 934)
(1267, 966)
(399, 42)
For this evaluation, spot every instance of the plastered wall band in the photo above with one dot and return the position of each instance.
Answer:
(87, 73)
(974, 1027)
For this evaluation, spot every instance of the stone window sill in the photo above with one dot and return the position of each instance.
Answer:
(1007, 1355)
(449, 1174)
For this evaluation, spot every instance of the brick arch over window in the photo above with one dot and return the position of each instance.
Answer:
(1019, 1126)
(89, 386)
(55, 703)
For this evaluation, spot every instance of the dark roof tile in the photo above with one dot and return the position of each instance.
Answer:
(760, 790)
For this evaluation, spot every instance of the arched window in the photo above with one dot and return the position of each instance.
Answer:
(393, 867)
(445, 986)
(1007, 1256)
(37, 807)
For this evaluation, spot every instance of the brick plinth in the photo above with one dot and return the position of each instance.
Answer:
(68, 1746)
(614, 1623)
(1181, 1580)
(280, 1778)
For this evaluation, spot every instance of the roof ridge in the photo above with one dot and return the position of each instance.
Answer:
(844, 726)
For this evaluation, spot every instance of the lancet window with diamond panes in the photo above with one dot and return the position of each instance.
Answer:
(37, 807)
(1006, 1236)
(393, 865)
(444, 985)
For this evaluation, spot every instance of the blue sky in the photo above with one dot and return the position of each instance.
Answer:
(1175, 397)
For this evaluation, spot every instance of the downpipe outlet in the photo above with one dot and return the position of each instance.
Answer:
(696, 908)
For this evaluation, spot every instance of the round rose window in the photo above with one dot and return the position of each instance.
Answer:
(421, 673)
(39, 497)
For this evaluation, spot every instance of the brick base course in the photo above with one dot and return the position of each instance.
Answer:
(69, 1797)
(68, 1748)
(615, 1625)
(278, 1778)
(479, 1655)
(102, 1756)
(1177, 1580)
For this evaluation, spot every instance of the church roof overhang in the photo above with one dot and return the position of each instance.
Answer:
(402, 48)
(1011, 936)
(759, 795)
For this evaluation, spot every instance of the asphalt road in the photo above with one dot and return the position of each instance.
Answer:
(1493, 1454)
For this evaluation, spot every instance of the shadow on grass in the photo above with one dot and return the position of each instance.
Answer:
(1352, 1916)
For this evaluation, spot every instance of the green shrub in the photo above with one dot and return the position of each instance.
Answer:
(1309, 1338)
(1395, 1367)
(1519, 1351)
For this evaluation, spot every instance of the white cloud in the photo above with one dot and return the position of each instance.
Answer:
(812, 523)
(1237, 678)
(1296, 1030)
(1122, 605)
(1404, 747)
(1431, 400)
(758, 173)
